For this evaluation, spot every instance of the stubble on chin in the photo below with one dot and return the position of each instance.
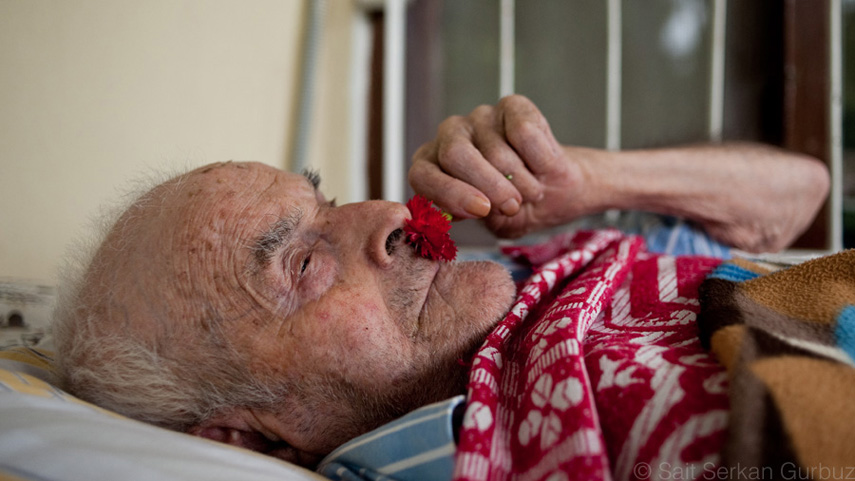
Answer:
(448, 336)
(467, 300)
(339, 409)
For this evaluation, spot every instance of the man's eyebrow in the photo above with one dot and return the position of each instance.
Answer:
(274, 237)
(313, 177)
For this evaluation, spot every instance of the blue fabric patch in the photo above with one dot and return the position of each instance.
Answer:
(732, 272)
(672, 236)
(845, 330)
(662, 234)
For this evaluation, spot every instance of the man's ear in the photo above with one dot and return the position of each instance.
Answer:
(251, 440)
(232, 428)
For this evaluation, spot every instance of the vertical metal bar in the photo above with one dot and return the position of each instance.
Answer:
(311, 46)
(614, 81)
(360, 77)
(719, 32)
(507, 17)
(835, 122)
(393, 100)
(614, 72)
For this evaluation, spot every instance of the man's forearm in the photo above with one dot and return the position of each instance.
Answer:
(752, 196)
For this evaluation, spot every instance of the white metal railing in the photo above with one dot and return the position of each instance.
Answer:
(507, 44)
(394, 161)
(614, 68)
(316, 11)
(394, 81)
(719, 30)
(359, 85)
(835, 137)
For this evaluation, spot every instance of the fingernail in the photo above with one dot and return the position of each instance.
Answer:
(510, 207)
(477, 206)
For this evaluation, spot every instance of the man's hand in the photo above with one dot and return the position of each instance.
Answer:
(502, 164)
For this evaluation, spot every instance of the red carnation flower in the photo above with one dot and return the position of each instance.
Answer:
(428, 230)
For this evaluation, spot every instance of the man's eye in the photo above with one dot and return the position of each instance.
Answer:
(305, 264)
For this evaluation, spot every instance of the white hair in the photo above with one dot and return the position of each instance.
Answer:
(152, 379)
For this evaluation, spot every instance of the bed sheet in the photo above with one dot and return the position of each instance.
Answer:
(49, 435)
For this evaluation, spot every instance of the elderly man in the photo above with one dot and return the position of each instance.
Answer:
(237, 303)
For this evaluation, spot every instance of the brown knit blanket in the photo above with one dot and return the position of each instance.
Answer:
(787, 338)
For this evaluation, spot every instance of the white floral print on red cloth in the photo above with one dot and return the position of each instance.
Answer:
(595, 370)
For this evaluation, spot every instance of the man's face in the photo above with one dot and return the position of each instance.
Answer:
(327, 297)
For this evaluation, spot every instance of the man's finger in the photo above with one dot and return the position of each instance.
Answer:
(460, 159)
(528, 133)
(508, 163)
(454, 196)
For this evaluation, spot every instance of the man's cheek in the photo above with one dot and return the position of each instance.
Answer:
(373, 347)
(366, 327)
(352, 326)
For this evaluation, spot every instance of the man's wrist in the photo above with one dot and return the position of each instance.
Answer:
(596, 190)
(648, 180)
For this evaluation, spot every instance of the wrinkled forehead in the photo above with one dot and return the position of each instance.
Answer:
(223, 205)
(228, 177)
(224, 187)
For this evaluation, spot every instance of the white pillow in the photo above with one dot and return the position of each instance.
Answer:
(47, 434)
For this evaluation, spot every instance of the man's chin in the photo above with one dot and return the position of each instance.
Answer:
(490, 286)
(475, 295)
(465, 302)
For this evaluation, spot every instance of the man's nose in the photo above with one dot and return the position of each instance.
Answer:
(375, 226)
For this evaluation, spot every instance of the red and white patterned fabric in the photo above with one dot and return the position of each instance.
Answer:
(596, 373)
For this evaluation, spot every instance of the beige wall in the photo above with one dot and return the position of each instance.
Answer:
(94, 93)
